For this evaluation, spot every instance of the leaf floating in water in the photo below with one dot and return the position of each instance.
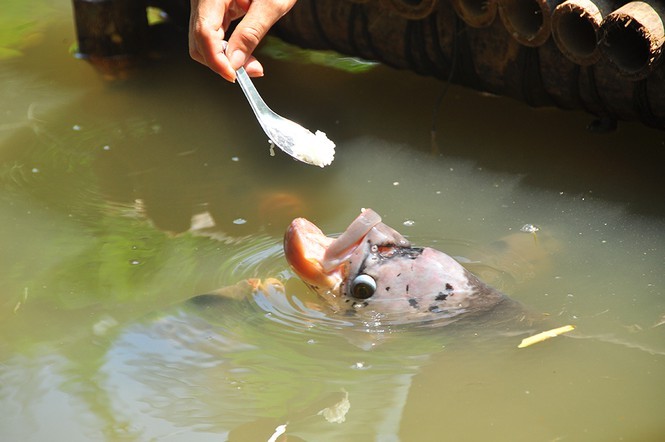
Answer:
(281, 429)
(543, 336)
(336, 413)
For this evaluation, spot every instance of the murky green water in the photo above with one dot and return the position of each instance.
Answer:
(121, 201)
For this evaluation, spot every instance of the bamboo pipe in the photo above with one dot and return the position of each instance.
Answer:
(576, 29)
(412, 9)
(528, 21)
(487, 59)
(633, 37)
(476, 13)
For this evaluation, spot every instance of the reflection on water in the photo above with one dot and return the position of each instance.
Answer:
(120, 202)
(213, 377)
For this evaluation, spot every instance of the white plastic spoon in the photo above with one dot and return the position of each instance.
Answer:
(292, 138)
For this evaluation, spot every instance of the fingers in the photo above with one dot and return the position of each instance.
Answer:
(253, 67)
(208, 21)
(260, 17)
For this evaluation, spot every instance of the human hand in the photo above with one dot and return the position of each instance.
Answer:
(209, 21)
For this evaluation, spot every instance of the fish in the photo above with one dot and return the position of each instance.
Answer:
(373, 272)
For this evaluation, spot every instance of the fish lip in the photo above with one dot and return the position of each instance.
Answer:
(342, 247)
(304, 248)
(318, 259)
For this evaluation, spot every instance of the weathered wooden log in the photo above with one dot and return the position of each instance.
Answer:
(633, 37)
(576, 28)
(528, 21)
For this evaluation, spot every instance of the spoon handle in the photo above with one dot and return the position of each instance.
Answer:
(260, 108)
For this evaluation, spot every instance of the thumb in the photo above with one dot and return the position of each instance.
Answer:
(260, 17)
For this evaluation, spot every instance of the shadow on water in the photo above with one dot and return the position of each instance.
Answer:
(546, 148)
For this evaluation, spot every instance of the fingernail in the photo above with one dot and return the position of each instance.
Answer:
(237, 59)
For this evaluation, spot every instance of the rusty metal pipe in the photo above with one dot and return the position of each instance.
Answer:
(633, 37)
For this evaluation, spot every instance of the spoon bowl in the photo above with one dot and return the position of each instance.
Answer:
(311, 148)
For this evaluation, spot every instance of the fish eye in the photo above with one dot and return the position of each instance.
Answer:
(363, 287)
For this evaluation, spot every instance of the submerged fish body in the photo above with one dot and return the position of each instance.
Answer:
(372, 271)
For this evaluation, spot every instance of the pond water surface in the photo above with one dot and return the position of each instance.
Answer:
(119, 201)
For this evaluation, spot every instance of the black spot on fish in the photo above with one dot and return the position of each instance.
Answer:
(407, 288)
(449, 287)
(413, 302)
(399, 274)
(411, 252)
(441, 297)
(434, 308)
(388, 289)
(392, 251)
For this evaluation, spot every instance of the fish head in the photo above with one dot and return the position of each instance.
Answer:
(371, 269)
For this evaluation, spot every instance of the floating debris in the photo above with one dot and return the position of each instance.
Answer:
(102, 327)
(660, 322)
(22, 301)
(201, 221)
(279, 430)
(358, 365)
(336, 413)
(529, 228)
(543, 336)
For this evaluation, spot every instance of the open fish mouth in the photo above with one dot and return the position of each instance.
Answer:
(318, 259)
